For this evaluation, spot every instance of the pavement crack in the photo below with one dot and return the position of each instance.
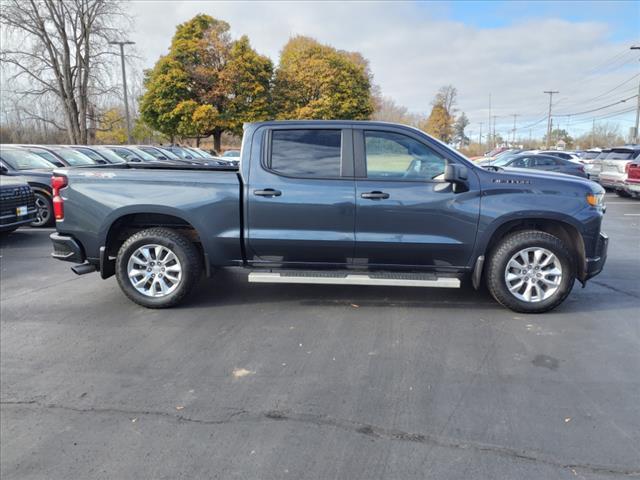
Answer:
(372, 431)
(615, 289)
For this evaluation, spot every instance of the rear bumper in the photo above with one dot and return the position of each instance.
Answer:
(632, 187)
(66, 248)
(595, 264)
(612, 180)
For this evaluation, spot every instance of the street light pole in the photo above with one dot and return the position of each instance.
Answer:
(124, 85)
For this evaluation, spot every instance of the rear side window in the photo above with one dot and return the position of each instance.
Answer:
(306, 153)
(544, 162)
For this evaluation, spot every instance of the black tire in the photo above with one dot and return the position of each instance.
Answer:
(186, 252)
(45, 217)
(507, 248)
(623, 194)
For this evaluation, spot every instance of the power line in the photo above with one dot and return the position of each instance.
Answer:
(596, 109)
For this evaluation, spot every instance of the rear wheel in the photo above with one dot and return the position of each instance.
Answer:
(623, 193)
(530, 272)
(44, 212)
(158, 267)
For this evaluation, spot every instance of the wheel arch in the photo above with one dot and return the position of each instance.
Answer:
(563, 228)
(128, 223)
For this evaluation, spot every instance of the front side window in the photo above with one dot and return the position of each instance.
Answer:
(74, 158)
(306, 153)
(393, 156)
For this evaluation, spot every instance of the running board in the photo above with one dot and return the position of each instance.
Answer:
(340, 278)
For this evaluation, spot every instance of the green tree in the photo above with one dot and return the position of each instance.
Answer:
(111, 128)
(439, 124)
(440, 121)
(558, 134)
(315, 81)
(207, 84)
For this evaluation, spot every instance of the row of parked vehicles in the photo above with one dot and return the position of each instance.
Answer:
(616, 168)
(31, 166)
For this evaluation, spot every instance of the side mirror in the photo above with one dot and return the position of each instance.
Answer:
(3, 170)
(454, 173)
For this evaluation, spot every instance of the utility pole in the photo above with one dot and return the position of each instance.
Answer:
(593, 132)
(515, 115)
(494, 130)
(551, 93)
(124, 85)
(636, 134)
(489, 134)
(480, 136)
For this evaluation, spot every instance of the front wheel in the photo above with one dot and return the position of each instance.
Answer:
(44, 212)
(158, 267)
(530, 272)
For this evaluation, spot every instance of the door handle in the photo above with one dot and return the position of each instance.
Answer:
(267, 192)
(376, 195)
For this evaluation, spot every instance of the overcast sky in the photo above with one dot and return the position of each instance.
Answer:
(511, 50)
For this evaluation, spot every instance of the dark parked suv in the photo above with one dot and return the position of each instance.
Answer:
(17, 205)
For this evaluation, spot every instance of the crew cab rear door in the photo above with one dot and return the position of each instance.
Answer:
(406, 214)
(301, 198)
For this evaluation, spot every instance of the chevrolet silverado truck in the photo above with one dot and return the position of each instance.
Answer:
(333, 202)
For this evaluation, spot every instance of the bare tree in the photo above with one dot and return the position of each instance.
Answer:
(59, 48)
(447, 97)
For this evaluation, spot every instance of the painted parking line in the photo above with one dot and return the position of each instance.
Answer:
(631, 214)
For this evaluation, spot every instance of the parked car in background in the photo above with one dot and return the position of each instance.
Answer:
(159, 153)
(98, 154)
(60, 156)
(538, 161)
(36, 171)
(593, 169)
(131, 154)
(17, 203)
(231, 155)
(632, 182)
(560, 154)
(615, 168)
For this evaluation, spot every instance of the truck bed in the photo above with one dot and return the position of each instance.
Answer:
(207, 197)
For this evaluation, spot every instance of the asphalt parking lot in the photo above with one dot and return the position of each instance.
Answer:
(271, 381)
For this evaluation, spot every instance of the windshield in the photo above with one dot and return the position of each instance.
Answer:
(109, 155)
(589, 155)
(194, 152)
(202, 152)
(167, 153)
(231, 153)
(74, 158)
(503, 161)
(48, 156)
(621, 155)
(23, 160)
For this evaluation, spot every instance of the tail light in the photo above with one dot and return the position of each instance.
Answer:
(57, 183)
(626, 168)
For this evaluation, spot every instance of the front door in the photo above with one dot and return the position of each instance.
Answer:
(301, 198)
(406, 214)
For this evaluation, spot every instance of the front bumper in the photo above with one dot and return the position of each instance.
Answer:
(66, 248)
(595, 264)
(9, 222)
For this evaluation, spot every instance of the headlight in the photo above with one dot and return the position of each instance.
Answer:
(595, 199)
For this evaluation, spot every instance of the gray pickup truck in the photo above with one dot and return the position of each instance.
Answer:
(333, 202)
